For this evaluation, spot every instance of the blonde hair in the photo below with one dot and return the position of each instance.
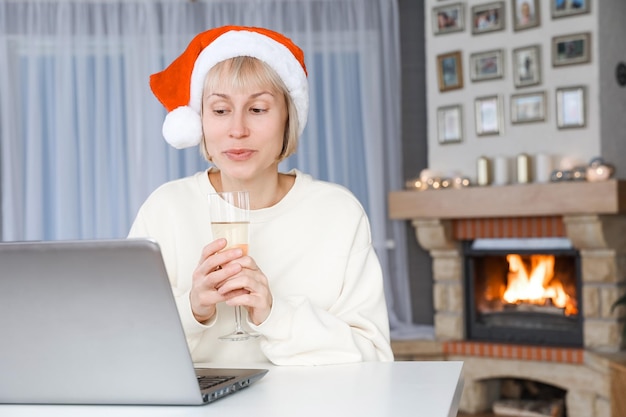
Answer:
(243, 72)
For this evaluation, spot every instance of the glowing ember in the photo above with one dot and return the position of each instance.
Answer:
(534, 283)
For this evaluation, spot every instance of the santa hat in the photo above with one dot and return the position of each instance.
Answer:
(179, 86)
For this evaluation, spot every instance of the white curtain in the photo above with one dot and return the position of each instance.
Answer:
(80, 131)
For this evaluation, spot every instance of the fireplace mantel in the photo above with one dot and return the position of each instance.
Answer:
(519, 200)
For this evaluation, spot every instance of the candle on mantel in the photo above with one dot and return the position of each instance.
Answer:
(543, 167)
(523, 169)
(483, 176)
(500, 170)
(599, 173)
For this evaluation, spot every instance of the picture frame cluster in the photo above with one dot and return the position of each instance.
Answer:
(525, 71)
(490, 17)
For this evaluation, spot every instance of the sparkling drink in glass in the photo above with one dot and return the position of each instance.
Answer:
(230, 219)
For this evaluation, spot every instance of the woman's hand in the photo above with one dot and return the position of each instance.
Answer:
(230, 276)
(249, 288)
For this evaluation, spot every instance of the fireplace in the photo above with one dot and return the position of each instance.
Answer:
(562, 347)
(523, 291)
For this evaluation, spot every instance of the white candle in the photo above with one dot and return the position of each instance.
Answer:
(543, 167)
(500, 170)
(482, 171)
(523, 167)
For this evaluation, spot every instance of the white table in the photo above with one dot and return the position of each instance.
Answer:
(396, 389)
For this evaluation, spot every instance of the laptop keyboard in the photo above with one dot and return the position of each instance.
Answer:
(211, 381)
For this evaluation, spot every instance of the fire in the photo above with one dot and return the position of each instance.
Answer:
(536, 286)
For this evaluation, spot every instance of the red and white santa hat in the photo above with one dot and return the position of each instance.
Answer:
(179, 86)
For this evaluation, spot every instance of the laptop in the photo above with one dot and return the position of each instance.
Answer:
(95, 322)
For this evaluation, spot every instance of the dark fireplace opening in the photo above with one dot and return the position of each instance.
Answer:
(524, 397)
(523, 295)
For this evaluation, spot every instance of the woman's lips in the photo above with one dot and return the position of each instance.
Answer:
(239, 154)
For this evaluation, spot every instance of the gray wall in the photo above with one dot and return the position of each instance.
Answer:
(605, 102)
(414, 131)
(612, 32)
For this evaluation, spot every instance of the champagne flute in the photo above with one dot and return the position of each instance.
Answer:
(230, 219)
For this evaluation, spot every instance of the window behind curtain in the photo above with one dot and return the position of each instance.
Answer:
(74, 151)
(352, 137)
(341, 149)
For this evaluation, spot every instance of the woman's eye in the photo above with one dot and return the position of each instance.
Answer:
(219, 111)
(257, 110)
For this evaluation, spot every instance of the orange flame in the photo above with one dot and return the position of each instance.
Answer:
(538, 286)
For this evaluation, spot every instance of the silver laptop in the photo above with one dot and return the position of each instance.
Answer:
(95, 322)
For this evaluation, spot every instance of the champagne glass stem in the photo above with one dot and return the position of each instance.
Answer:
(238, 328)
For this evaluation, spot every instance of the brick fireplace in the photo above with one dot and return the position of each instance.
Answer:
(592, 217)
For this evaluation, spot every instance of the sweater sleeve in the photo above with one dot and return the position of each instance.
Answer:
(355, 328)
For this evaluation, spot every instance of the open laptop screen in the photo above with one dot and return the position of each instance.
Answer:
(92, 322)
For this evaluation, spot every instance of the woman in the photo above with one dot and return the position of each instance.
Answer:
(311, 283)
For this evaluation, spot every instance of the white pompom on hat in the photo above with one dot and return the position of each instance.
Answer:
(179, 86)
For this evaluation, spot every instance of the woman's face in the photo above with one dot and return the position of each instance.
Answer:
(244, 129)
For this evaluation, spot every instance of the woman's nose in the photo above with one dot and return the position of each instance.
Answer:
(238, 128)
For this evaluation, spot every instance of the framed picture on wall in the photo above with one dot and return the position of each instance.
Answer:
(488, 17)
(565, 8)
(571, 107)
(528, 108)
(571, 49)
(450, 124)
(488, 112)
(525, 14)
(486, 65)
(527, 66)
(449, 18)
(450, 71)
